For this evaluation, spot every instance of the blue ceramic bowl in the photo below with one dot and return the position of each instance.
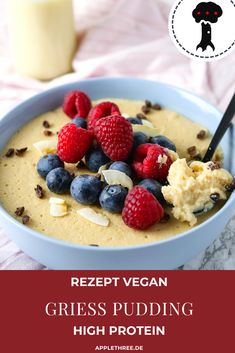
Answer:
(166, 254)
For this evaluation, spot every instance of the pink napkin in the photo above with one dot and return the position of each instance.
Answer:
(122, 38)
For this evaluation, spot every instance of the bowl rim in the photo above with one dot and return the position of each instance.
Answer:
(100, 248)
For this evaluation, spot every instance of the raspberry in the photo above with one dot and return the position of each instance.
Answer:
(101, 110)
(141, 209)
(151, 161)
(73, 143)
(115, 136)
(76, 103)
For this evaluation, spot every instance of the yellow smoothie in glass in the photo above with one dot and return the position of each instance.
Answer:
(42, 37)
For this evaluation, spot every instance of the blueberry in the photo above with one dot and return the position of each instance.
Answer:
(95, 158)
(79, 122)
(154, 187)
(122, 167)
(112, 198)
(86, 189)
(48, 163)
(59, 180)
(164, 142)
(139, 139)
(135, 121)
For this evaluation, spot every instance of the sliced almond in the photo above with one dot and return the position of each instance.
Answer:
(101, 169)
(115, 177)
(58, 210)
(125, 115)
(56, 201)
(172, 154)
(147, 130)
(46, 146)
(162, 159)
(147, 123)
(94, 217)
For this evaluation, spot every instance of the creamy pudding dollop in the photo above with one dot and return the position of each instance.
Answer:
(195, 187)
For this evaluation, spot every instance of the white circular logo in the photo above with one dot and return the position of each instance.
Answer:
(203, 30)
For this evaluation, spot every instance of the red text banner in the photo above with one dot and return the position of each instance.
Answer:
(116, 311)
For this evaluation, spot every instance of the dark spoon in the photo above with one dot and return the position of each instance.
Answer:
(220, 131)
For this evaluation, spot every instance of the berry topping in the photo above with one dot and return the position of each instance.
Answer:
(112, 198)
(95, 158)
(122, 167)
(76, 103)
(151, 161)
(141, 209)
(48, 163)
(79, 122)
(115, 136)
(73, 143)
(58, 180)
(135, 121)
(86, 189)
(154, 187)
(164, 142)
(101, 110)
(139, 139)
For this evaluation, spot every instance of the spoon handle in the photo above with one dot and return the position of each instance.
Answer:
(220, 131)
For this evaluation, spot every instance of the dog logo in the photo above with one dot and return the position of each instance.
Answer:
(216, 38)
